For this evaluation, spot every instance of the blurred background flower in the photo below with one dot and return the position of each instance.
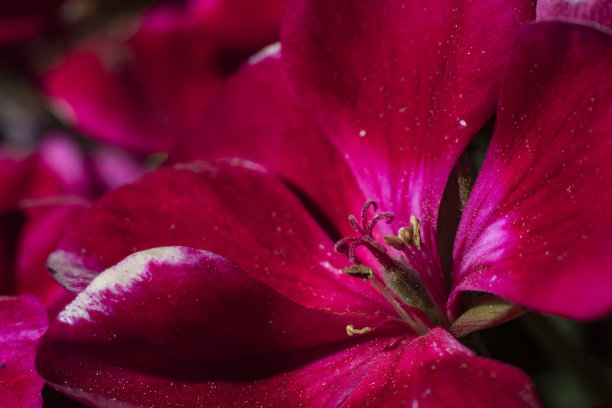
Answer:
(92, 96)
(90, 91)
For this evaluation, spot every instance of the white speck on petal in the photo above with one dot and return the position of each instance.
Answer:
(463, 123)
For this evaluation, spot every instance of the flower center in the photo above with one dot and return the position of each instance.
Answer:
(396, 280)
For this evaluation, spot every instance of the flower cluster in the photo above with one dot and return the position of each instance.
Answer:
(319, 234)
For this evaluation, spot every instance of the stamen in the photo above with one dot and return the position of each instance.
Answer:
(352, 331)
(360, 271)
(418, 326)
(415, 224)
(394, 241)
(406, 236)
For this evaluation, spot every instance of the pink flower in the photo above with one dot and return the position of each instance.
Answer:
(217, 284)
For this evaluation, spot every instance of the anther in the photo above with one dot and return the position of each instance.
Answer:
(394, 241)
(352, 331)
(359, 271)
(415, 224)
(409, 236)
(405, 234)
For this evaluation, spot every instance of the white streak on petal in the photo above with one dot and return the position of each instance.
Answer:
(116, 280)
(330, 267)
(271, 51)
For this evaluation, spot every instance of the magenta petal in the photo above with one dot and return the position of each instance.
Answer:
(436, 370)
(537, 227)
(400, 87)
(26, 178)
(238, 24)
(177, 326)
(279, 133)
(37, 239)
(57, 168)
(235, 209)
(36, 203)
(144, 91)
(128, 94)
(22, 321)
(113, 167)
(64, 158)
(596, 13)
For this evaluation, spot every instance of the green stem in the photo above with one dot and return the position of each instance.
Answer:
(584, 368)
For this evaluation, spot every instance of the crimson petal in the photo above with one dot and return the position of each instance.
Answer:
(435, 370)
(235, 209)
(176, 326)
(400, 87)
(39, 194)
(87, 92)
(279, 133)
(38, 238)
(536, 229)
(26, 178)
(22, 321)
(141, 92)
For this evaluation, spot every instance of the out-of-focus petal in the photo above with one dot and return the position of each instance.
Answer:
(44, 225)
(11, 223)
(177, 326)
(89, 88)
(145, 90)
(39, 194)
(401, 87)
(62, 156)
(258, 117)
(20, 20)
(55, 169)
(26, 177)
(435, 370)
(113, 167)
(22, 321)
(536, 229)
(238, 24)
(595, 13)
(235, 209)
